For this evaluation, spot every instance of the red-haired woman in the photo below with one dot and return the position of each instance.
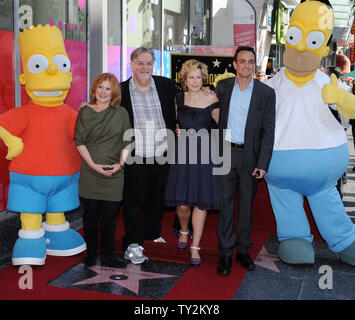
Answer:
(99, 131)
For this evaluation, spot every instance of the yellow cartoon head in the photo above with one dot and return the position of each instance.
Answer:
(307, 37)
(46, 66)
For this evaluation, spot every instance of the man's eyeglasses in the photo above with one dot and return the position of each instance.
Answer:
(141, 64)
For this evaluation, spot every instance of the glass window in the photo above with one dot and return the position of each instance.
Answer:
(114, 23)
(144, 29)
(6, 15)
(199, 22)
(114, 38)
(176, 23)
(144, 23)
(69, 16)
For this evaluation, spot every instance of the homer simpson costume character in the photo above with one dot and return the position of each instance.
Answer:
(310, 149)
(44, 168)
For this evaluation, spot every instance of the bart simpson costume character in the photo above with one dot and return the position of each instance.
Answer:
(310, 149)
(44, 168)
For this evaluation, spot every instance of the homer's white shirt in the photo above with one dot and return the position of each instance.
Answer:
(303, 120)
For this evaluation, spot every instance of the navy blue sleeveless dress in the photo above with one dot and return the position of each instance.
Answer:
(190, 181)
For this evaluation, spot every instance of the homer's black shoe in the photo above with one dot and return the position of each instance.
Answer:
(245, 260)
(225, 265)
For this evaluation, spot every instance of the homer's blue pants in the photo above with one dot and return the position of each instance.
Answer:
(294, 174)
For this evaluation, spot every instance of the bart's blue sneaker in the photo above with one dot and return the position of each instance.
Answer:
(63, 241)
(30, 248)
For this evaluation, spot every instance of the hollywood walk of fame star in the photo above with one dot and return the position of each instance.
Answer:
(267, 260)
(216, 63)
(128, 278)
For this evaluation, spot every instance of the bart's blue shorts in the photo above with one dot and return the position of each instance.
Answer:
(39, 194)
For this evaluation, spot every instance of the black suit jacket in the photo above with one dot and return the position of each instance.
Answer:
(166, 92)
(260, 124)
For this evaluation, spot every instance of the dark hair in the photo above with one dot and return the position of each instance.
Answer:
(241, 48)
(141, 50)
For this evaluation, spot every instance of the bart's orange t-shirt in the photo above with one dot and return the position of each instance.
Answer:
(47, 134)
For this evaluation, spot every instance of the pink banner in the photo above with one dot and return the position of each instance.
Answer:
(7, 102)
(114, 61)
(81, 4)
(214, 50)
(244, 35)
(77, 54)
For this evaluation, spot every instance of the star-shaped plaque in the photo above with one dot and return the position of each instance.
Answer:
(267, 260)
(152, 279)
(128, 277)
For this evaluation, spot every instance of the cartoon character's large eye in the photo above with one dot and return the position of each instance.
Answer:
(37, 63)
(62, 62)
(294, 36)
(315, 40)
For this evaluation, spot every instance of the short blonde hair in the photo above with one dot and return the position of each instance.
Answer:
(190, 66)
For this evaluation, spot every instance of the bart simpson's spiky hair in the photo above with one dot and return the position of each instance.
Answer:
(38, 34)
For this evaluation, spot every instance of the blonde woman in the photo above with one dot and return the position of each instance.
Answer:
(192, 185)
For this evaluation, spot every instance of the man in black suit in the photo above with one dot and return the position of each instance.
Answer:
(150, 103)
(247, 111)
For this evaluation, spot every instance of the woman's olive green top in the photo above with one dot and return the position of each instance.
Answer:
(102, 134)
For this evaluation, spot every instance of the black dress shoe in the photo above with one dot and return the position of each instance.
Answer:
(245, 260)
(90, 261)
(225, 265)
(112, 261)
